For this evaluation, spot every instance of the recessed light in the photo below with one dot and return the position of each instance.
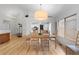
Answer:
(26, 15)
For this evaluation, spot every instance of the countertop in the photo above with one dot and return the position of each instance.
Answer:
(4, 31)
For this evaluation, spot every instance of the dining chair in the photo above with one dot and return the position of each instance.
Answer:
(34, 42)
(45, 43)
(53, 37)
(27, 41)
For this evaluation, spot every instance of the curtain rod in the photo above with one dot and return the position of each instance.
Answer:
(70, 16)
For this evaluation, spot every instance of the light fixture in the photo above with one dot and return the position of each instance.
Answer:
(41, 14)
(26, 15)
(12, 14)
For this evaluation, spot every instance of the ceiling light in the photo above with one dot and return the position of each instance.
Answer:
(41, 14)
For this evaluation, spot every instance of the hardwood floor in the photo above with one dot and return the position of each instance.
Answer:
(18, 46)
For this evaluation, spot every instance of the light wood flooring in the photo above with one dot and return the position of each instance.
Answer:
(18, 46)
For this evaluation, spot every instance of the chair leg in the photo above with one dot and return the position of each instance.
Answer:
(45, 45)
(66, 51)
(35, 44)
(28, 43)
(48, 45)
(55, 43)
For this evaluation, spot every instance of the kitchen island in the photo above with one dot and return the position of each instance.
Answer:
(4, 36)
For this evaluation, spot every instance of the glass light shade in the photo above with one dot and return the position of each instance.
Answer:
(41, 15)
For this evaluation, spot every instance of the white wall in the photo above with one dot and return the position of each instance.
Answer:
(3, 25)
(20, 18)
(72, 10)
(26, 22)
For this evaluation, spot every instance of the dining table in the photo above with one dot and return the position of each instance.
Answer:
(39, 37)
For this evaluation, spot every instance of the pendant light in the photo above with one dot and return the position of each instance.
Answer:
(41, 14)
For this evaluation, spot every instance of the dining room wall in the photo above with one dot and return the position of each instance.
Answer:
(72, 9)
(27, 22)
(20, 13)
(3, 25)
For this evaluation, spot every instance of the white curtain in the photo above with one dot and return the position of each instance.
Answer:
(70, 28)
(61, 28)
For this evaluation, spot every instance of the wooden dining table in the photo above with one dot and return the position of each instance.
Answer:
(39, 37)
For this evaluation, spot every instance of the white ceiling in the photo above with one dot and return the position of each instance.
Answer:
(52, 9)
